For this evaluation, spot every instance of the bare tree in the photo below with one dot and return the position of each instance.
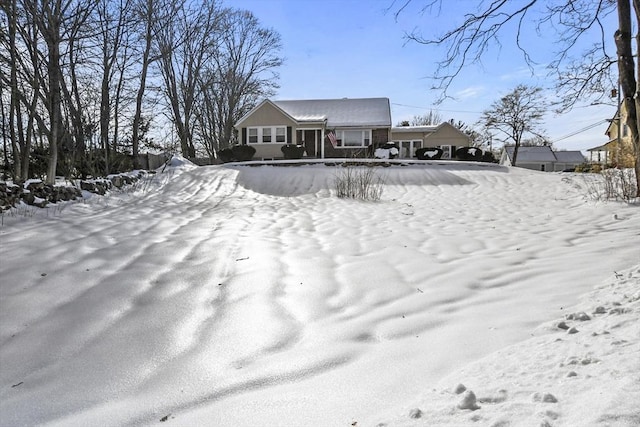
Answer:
(113, 27)
(516, 114)
(429, 119)
(152, 15)
(243, 71)
(11, 13)
(580, 75)
(66, 67)
(186, 45)
(58, 23)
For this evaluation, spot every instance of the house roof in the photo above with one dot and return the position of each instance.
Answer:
(569, 156)
(605, 147)
(535, 154)
(406, 129)
(543, 154)
(345, 112)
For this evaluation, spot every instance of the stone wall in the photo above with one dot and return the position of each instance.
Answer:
(37, 193)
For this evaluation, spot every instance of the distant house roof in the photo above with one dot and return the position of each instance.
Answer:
(569, 156)
(528, 154)
(543, 154)
(345, 112)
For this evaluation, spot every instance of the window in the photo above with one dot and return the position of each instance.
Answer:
(253, 135)
(267, 135)
(446, 151)
(353, 138)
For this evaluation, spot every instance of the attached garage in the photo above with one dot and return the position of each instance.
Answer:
(444, 136)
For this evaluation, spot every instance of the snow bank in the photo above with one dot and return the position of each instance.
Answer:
(579, 370)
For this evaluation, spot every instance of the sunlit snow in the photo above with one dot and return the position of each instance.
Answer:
(252, 296)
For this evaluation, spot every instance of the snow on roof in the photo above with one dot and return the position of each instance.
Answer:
(414, 129)
(343, 112)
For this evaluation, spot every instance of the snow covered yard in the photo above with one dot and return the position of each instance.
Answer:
(245, 296)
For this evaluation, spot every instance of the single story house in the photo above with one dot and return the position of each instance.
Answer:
(338, 128)
(542, 158)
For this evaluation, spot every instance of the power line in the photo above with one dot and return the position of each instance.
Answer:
(584, 129)
(435, 108)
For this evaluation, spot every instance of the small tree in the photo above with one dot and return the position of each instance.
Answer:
(429, 119)
(516, 114)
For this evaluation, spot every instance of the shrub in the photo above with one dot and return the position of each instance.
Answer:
(226, 155)
(469, 154)
(612, 184)
(243, 153)
(388, 150)
(488, 157)
(292, 151)
(358, 183)
(429, 153)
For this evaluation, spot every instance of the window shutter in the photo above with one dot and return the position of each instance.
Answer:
(243, 141)
(289, 138)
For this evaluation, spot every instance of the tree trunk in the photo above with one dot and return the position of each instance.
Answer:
(515, 154)
(55, 112)
(105, 115)
(13, 103)
(626, 73)
(636, 142)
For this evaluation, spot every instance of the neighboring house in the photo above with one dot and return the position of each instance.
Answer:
(444, 136)
(568, 160)
(618, 151)
(542, 158)
(356, 126)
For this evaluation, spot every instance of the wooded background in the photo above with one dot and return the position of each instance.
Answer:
(86, 85)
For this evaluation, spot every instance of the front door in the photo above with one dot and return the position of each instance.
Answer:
(310, 142)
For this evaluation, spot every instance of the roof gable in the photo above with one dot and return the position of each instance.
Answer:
(262, 105)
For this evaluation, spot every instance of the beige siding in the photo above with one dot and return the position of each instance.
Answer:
(267, 115)
(267, 151)
(447, 136)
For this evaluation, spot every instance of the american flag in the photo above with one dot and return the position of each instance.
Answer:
(332, 137)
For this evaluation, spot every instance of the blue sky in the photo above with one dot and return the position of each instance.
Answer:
(356, 49)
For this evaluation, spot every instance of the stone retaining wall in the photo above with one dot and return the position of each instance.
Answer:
(37, 193)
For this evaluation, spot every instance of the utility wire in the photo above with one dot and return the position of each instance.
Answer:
(584, 129)
(435, 108)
